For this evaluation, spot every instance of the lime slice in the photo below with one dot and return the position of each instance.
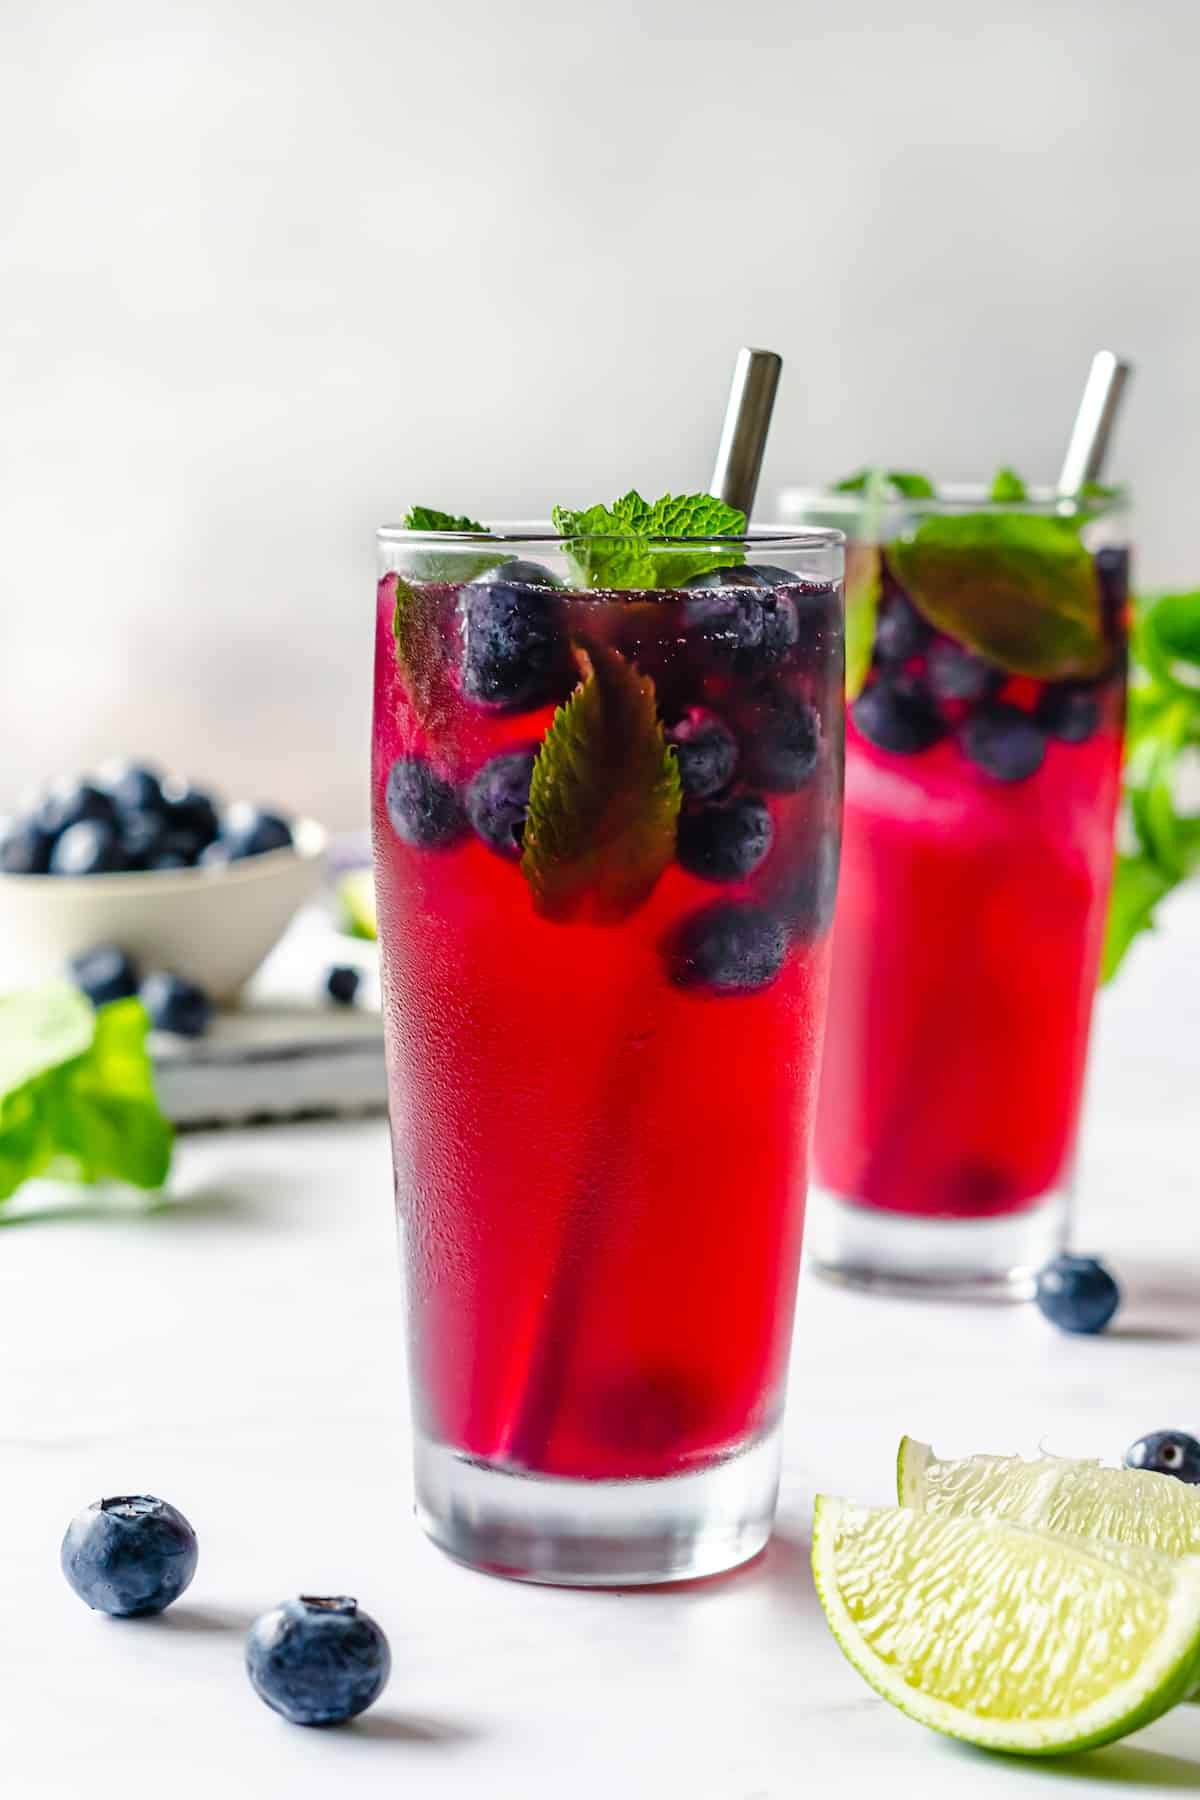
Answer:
(356, 903)
(1032, 1642)
(1053, 1493)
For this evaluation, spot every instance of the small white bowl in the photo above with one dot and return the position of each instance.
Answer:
(213, 924)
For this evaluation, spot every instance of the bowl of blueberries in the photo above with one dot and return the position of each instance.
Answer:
(154, 864)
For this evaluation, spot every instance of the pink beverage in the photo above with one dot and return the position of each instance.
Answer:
(606, 829)
(982, 777)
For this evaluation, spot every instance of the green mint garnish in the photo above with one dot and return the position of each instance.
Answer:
(902, 482)
(604, 799)
(77, 1095)
(1008, 488)
(1018, 588)
(419, 652)
(1163, 731)
(428, 518)
(628, 560)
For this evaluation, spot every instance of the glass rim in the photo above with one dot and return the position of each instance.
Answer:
(962, 496)
(774, 537)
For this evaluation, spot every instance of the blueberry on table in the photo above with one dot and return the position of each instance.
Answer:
(91, 847)
(514, 652)
(1003, 741)
(1166, 1453)
(782, 745)
(726, 841)
(423, 809)
(104, 973)
(129, 1556)
(1068, 710)
(1077, 1293)
(342, 984)
(317, 1661)
(176, 1005)
(901, 632)
(898, 714)
(248, 831)
(706, 751)
(727, 949)
(68, 803)
(957, 674)
(25, 848)
(497, 800)
(134, 788)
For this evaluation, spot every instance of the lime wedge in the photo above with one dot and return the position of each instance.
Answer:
(1032, 1642)
(356, 904)
(1053, 1493)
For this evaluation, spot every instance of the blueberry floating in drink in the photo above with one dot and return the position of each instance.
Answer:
(727, 840)
(514, 654)
(706, 752)
(497, 800)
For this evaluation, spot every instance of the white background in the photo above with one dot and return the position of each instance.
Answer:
(269, 271)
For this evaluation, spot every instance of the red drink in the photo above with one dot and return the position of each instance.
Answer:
(977, 861)
(602, 1100)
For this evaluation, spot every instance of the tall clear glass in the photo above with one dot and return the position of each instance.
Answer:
(606, 832)
(987, 658)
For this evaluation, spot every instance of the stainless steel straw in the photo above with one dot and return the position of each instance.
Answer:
(1092, 432)
(744, 433)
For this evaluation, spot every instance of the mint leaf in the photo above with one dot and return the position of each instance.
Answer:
(1167, 634)
(907, 485)
(77, 1100)
(428, 518)
(864, 579)
(1008, 488)
(1138, 886)
(628, 557)
(1018, 588)
(604, 798)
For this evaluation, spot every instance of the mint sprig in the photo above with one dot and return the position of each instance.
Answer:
(901, 481)
(428, 518)
(77, 1099)
(604, 798)
(1008, 489)
(451, 565)
(1163, 731)
(625, 555)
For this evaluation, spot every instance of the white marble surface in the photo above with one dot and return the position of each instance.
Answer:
(240, 1353)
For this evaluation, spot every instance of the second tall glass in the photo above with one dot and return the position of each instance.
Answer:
(606, 830)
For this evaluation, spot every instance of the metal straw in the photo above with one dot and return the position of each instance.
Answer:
(1092, 432)
(744, 433)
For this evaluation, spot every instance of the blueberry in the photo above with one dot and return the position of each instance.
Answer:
(130, 1555)
(317, 1661)
(732, 575)
(897, 714)
(706, 751)
(134, 788)
(70, 802)
(1166, 1453)
(957, 674)
(727, 950)
(725, 842)
(805, 899)
(248, 831)
(1077, 1293)
(89, 848)
(514, 653)
(176, 1005)
(342, 984)
(497, 800)
(901, 632)
(424, 810)
(142, 835)
(103, 974)
(783, 743)
(170, 859)
(25, 848)
(1068, 710)
(1005, 742)
(757, 626)
(191, 815)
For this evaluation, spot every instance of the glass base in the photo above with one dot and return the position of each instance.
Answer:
(576, 1533)
(952, 1259)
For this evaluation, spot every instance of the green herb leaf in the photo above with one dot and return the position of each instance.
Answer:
(1167, 634)
(77, 1101)
(1138, 886)
(907, 485)
(864, 579)
(627, 559)
(1008, 488)
(604, 798)
(428, 518)
(1018, 588)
